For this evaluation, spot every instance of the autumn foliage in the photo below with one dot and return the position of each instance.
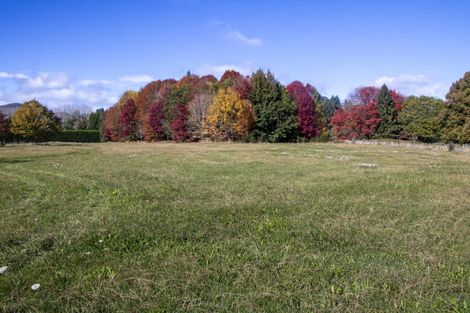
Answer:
(302, 97)
(360, 117)
(256, 108)
(111, 124)
(179, 124)
(363, 95)
(398, 99)
(35, 122)
(198, 109)
(112, 128)
(127, 120)
(355, 121)
(260, 108)
(154, 120)
(233, 79)
(229, 117)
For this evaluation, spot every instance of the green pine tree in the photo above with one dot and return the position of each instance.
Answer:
(275, 112)
(389, 126)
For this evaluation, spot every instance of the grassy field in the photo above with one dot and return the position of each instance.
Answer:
(134, 227)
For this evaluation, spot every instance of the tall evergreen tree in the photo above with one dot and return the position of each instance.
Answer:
(389, 126)
(275, 111)
(330, 106)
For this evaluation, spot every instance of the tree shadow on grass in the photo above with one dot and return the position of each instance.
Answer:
(25, 159)
(63, 144)
(14, 160)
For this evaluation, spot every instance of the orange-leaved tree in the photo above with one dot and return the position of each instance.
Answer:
(112, 126)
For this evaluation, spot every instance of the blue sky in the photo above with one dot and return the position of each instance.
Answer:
(73, 53)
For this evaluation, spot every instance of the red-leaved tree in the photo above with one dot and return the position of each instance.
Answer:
(359, 117)
(355, 121)
(127, 120)
(363, 95)
(155, 120)
(398, 99)
(179, 124)
(240, 84)
(305, 108)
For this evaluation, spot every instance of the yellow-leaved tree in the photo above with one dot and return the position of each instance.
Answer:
(229, 117)
(34, 122)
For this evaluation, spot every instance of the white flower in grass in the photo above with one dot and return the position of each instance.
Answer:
(100, 241)
(3, 269)
(35, 287)
(369, 165)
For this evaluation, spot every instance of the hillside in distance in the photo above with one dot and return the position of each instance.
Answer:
(10, 108)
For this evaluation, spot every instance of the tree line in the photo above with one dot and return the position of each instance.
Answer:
(34, 122)
(258, 108)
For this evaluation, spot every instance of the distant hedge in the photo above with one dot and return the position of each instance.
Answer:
(78, 136)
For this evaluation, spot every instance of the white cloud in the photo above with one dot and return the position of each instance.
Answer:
(92, 82)
(58, 90)
(233, 35)
(218, 70)
(413, 85)
(236, 36)
(135, 79)
(44, 81)
(8, 75)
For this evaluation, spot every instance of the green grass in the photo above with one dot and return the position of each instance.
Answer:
(134, 227)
